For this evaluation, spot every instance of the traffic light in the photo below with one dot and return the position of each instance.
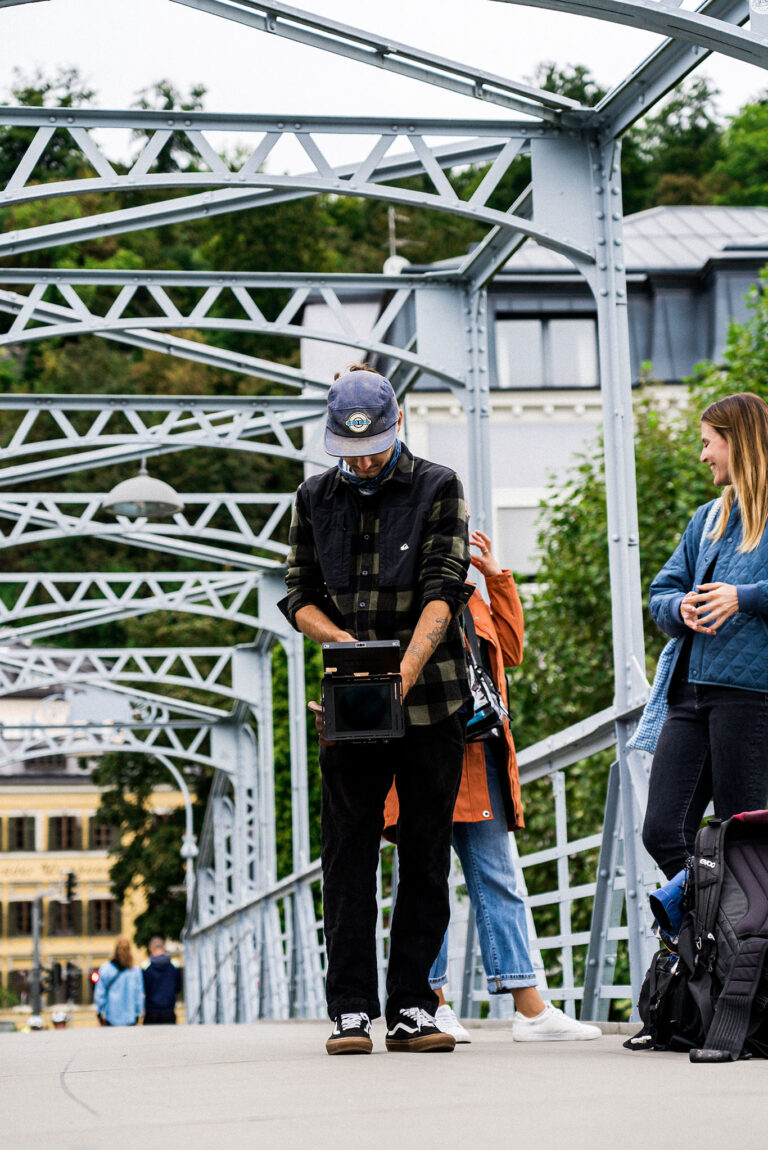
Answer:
(46, 979)
(56, 981)
(73, 983)
(70, 889)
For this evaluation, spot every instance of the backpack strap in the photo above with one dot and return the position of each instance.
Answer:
(708, 874)
(725, 1038)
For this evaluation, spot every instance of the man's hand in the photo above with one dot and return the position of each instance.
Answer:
(317, 711)
(426, 638)
(315, 624)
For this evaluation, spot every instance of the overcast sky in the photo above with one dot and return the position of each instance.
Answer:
(121, 46)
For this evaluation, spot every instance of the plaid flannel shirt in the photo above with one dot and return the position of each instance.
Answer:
(373, 562)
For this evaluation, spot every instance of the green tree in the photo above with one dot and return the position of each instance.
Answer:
(741, 170)
(147, 858)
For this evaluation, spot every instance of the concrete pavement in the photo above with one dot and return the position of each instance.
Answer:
(271, 1085)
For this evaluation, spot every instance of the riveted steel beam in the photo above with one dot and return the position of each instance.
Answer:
(670, 63)
(383, 52)
(693, 27)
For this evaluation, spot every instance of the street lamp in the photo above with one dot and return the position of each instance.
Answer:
(143, 497)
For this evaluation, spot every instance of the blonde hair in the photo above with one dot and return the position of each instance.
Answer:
(742, 420)
(123, 955)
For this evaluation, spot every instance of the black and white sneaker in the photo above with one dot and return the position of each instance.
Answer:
(351, 1035)
(415, 1030)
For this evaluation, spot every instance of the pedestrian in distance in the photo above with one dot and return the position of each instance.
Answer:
(487, 808)
(712, 595)
(162, 984)
(379, 550)
(119, 994)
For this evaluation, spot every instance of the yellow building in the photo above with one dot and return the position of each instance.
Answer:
(49, 828)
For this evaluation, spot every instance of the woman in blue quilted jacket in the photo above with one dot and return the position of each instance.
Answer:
(713, 594)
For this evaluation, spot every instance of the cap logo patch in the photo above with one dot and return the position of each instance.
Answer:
(358, 422)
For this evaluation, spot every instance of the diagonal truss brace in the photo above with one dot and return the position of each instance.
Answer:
(203, 669)
(89, 600)
(213, 203)
(40, 516)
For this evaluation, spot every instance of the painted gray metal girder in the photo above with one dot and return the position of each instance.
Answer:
(714, 35)
(444, 199)
(90, 741)
(236, 290)
(125, 706)
(81, 600)
(214, 203)
(670, 63)
(11, 303)
(221, 429)
(206, 669)
(39, 516)
(230, 422)
(481, 264)
(385, 53)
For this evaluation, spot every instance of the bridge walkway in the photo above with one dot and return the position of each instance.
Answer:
(271, 1085)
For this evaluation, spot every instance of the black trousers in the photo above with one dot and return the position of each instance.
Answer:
(426, 765)
(160, 1018)
(713, 745)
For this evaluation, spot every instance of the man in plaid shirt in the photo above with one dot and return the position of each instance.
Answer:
(379, 550)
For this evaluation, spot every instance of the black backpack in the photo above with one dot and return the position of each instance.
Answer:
(707, 991)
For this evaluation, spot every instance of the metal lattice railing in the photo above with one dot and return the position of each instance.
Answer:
(266, 958)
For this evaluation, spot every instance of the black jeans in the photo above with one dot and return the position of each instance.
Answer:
(714, 745)
(426, 764)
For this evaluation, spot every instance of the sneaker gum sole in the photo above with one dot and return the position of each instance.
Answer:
(427, 1044)
(351, 1045)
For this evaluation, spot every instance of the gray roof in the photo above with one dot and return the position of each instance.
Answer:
(665, 239)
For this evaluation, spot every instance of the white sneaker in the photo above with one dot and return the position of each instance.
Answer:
(552, 1026)
(449, 1023)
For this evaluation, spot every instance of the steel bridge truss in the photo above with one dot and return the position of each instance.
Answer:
(253, 936)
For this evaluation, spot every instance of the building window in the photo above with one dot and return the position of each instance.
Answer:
(104, 916)
(65, 918)
(552, 352)
(102, 836)
(19, 919)
(21, 833)
(47, 764)
(64, 833)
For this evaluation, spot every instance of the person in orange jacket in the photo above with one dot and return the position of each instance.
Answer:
(488, 806)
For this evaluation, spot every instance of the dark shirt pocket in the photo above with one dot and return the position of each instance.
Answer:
(400, 536)
(332, 527)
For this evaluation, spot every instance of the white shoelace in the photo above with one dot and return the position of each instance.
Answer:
(354, 1021)
(418, 1015)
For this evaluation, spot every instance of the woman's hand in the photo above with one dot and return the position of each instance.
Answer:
(713, 603)
(689, 615)
(486, 563)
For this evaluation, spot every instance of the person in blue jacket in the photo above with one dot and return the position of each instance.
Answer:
(713, 594)
(119, 994)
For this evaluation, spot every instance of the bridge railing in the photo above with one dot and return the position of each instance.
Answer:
(265, 958)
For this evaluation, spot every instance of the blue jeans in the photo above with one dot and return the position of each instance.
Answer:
(713, 745)
(489, 871)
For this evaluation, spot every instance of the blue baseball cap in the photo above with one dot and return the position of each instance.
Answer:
(362, 414)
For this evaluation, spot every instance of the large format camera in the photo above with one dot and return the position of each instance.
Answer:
(362, 691)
